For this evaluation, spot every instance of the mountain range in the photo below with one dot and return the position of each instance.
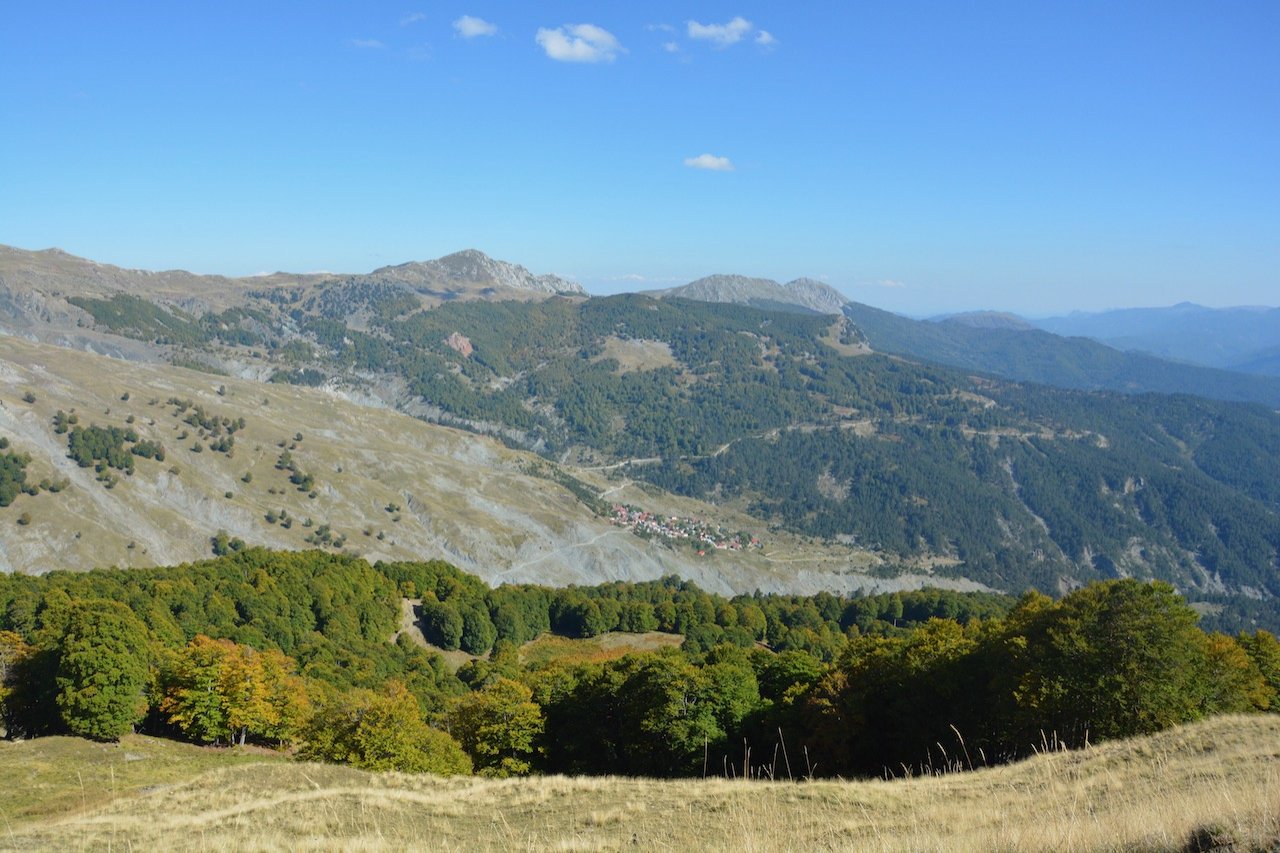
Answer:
(1245, 339)
(852, 445)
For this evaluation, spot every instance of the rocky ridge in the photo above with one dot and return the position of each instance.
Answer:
(803, 293)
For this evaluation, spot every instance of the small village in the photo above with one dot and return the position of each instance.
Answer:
(699, 534)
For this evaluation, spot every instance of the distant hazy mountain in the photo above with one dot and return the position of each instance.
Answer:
(987, 320)
(1245, 339)
(1037, 356)
(802, 293)
(1265, 361)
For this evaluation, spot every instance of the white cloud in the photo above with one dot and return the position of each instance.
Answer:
(412, 18)
(764, 38)
(670, 47)
(579, 43)
(710, 162)
(722, 35)
(660, 28)
(888, 282)
(368, 44)
(469, 27)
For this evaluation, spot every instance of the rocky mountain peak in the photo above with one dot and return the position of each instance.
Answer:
(817, 295)
(472, 268)
(802, 293)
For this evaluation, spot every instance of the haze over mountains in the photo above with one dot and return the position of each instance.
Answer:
(854, 443)
(1246, 339)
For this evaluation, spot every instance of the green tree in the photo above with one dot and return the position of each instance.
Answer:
(192, 699)
(478, 632)
(442, 624)
(381, 732)
(102, 670)
(498, 726)
(1112, 659)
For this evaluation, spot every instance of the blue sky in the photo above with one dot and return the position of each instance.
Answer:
(922, 157)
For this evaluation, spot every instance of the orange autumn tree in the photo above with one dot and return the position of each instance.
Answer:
(219, 691)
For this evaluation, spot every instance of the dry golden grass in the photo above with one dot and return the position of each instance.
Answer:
(549, 649)
(1215, 781)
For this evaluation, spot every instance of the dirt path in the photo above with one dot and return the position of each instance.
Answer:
(497, 579)
(409, 622)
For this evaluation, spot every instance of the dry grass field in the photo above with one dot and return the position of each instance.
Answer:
(1214, 785)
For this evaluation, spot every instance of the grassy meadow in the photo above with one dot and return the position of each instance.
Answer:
(1211, 785)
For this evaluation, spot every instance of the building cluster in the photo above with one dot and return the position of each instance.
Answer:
(697, 533)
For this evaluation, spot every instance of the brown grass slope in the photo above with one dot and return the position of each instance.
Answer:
(1215, 784)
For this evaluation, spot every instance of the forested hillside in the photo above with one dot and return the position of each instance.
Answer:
(1007, 484)
(303, 649)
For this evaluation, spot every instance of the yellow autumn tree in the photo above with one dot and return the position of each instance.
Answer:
(218, 690)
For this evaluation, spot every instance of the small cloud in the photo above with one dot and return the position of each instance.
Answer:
(368, 44)
(888, 282)
(710, 162)
(764, 38)
(632, 277)
(670, 47)
(579, 43)
(412, 18)
(722, 35)
(469, 27)
(660, 28)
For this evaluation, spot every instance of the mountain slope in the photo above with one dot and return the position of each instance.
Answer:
(759, 411)
(388, 485)
(1032, 355)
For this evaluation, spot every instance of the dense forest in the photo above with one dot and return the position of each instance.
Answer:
(304, 650)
